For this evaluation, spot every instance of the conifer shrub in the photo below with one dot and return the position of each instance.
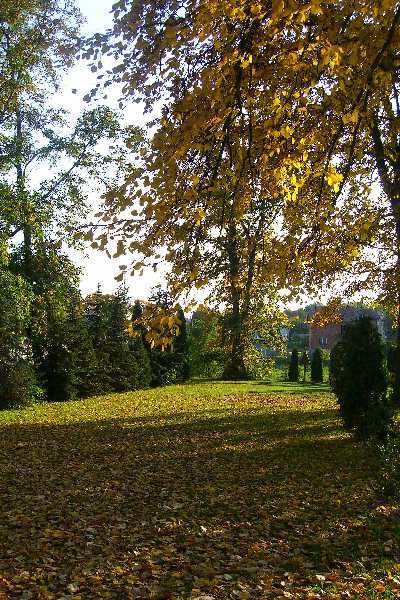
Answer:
(57, 340)
(336, 366)
(305, 363)
(163, 367)
(140, 349)
(293, 374)
(359, 380)
(173, 363)
(317, 375)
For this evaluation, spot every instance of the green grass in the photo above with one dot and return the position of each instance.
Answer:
(224, 490)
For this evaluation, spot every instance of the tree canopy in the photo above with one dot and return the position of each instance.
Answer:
(267, 107)
(278, 122)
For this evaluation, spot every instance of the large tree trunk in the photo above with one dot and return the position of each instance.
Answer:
(235, 368)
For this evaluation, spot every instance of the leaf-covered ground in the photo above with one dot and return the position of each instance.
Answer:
(200, 491)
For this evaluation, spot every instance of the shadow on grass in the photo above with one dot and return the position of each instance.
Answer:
(207, 503)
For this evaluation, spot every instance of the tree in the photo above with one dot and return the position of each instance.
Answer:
(352, 117)
(317, 366)
(293, 374)
(262, 333)
(181, 348)
(140, 350)
(336, 367)
(108, 322)
(38, 37)
(207, 354)
(209, 199)
(55, 206)
(280, 114)
(38, 40)
(170, 363)
(18, 385)
(305, 363)
(359, 379)
(61, 347)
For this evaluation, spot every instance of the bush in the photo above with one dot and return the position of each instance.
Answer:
(181, 350)
(17, 375)
(18, 385)
(293, 374)
(257, 365)
(358, 377)
(317, 366)
(206, 354)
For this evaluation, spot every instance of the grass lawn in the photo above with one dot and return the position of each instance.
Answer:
(203, 491)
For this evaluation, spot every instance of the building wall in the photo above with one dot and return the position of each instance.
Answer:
(324, 337)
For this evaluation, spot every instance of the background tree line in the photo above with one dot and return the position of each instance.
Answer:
(80, 347)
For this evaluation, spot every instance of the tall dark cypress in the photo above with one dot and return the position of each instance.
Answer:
(317, 374)
(293, 374)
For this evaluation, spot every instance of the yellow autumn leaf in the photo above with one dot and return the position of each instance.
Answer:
(334, 178)
(351, 117)
(245, 61)
(199, 215)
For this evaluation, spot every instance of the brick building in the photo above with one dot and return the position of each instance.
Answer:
(326, 337)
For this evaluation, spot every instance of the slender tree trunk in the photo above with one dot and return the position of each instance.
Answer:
(23, 199)
(396, 382)
(395, 204)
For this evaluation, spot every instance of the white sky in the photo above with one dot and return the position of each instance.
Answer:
(96, 266)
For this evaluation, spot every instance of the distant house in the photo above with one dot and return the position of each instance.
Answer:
(326, 337)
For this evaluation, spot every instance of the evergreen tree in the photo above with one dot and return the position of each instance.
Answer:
(293, 374)
(108, 318)
(61, 346)
(336, 367)
(124, 372)
(181, 349)
(305, 362)
(38, 40)
(17, 377)
(96, 320)
(163, 362)
(317, 366)
(359, 379)
(140, 349)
